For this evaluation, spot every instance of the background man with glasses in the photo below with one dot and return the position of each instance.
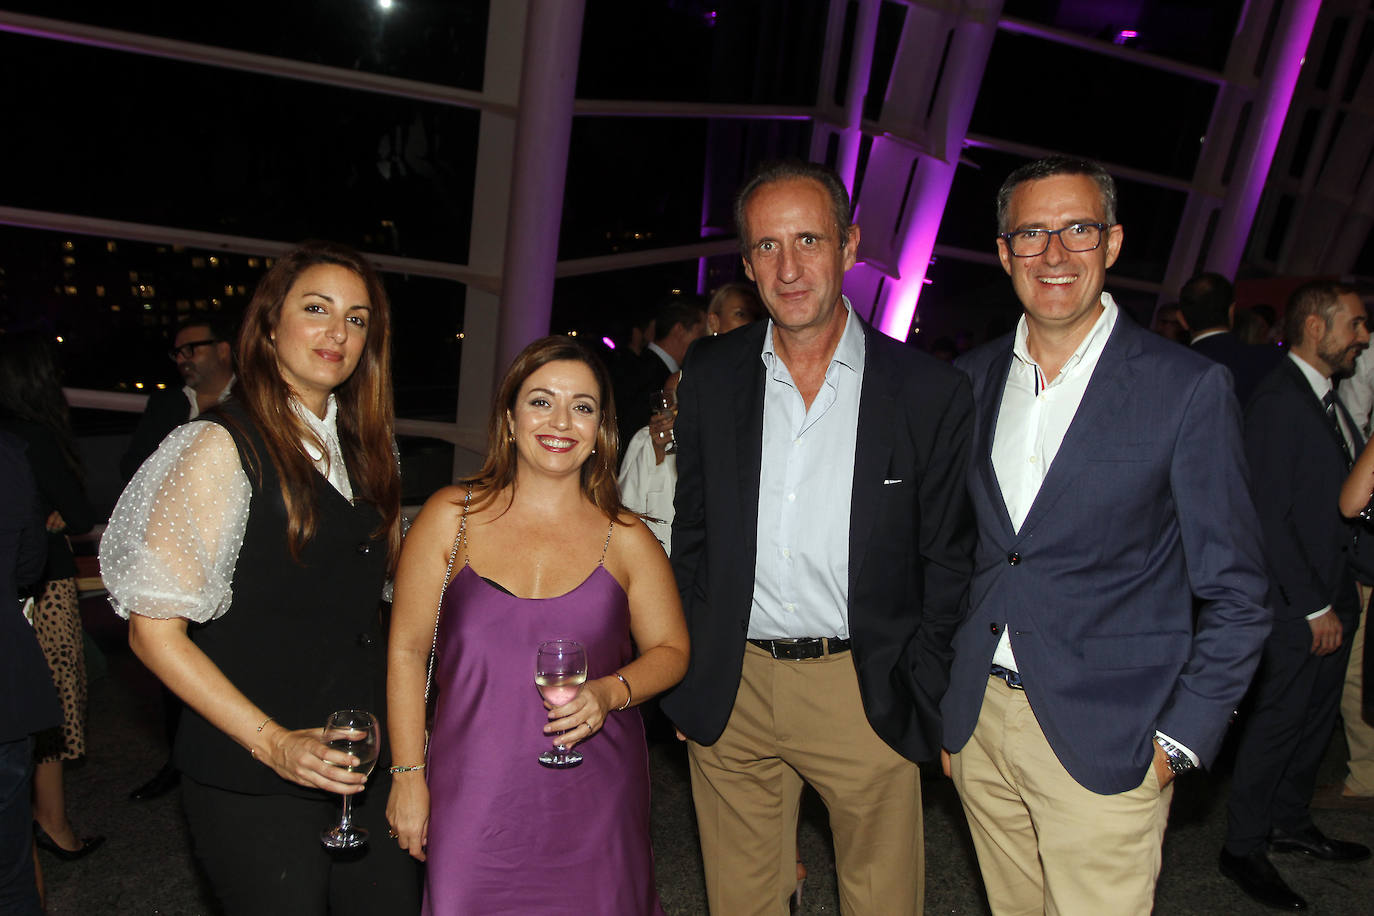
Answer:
(204, 357)
(1108, 483)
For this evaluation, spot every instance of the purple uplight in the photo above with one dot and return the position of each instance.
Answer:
(711, 18)
(1124, 36)
(610, 344)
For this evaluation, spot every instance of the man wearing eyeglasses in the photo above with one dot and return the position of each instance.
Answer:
(1108, 483)
(205, 361)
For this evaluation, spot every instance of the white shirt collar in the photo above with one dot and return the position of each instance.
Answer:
(1089, 349)
(330, 462)
(849, 352)
(1320, 383)
(664, 355)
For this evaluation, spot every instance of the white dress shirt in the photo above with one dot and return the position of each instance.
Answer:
(663, 355)
(806, 478)
(1031, 424)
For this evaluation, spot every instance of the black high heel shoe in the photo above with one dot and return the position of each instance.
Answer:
(89, 844)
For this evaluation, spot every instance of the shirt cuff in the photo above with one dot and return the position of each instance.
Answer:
(1315, 614)
(1182, 747)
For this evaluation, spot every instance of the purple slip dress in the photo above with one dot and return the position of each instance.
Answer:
(507, 835)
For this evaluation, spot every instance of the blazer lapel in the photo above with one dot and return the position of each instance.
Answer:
(748, 385)
(872, 449)
(989, 407)
(1107, 390)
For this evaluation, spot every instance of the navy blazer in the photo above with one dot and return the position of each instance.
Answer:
(28, 700)
(910, 531)
(1248, 362)
(1144, 507)
(1298, 466)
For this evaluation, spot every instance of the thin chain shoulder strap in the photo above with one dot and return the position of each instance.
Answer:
(458, 540)
(606, 546)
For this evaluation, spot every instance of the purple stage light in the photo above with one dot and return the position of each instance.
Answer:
(610, 344)
(1124, 36)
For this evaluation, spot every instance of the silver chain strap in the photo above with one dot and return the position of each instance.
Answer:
(448, 574)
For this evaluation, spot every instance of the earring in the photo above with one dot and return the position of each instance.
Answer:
(593, 451)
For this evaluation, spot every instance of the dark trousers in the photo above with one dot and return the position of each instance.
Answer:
(263, 856)
(18, 887)
(1297, 698)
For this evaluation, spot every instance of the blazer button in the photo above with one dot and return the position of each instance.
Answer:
(365, 640)
(994, 628)
(1013, 558)
(364, 548)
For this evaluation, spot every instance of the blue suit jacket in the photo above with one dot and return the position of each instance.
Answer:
(1144, 508)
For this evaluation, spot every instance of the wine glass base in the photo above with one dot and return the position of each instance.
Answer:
(344, 837)
(558, 759)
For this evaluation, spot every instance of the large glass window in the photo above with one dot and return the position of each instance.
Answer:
(115, 304)
(1195, 33)
(1064, 98)
(110, 134)
(763, 52)
(435, 41)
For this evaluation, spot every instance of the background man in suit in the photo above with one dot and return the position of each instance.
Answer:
(1300, 442)
(205, 361)
(1103, 456)
(822, 546)
(678, 321)
(28, 700)
(1207, 307)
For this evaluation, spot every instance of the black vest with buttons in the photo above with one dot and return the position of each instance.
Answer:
(301, 639)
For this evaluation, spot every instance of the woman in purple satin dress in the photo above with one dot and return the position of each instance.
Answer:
(535, 547)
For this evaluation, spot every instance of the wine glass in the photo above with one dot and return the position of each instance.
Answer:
(353, 731)
(560, 670)
(664, 403)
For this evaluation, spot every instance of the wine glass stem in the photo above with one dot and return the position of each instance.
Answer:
(346, 821)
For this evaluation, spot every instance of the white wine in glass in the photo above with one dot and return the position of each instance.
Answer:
(560, 670)
(353, 731)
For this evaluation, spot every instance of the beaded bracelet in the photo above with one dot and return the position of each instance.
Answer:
(629, 694)
(394, 770)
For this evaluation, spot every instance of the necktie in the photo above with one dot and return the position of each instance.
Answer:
(1332, 416)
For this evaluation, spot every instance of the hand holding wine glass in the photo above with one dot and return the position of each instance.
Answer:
(664, 412)
(353, 732)
(560, 670)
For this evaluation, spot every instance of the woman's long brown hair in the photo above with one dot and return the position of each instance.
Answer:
(366, 407)
(598, 472)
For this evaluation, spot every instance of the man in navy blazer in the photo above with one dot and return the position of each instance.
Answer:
(1300, 452)
(1108, 483)
(28, 700)
(822, 544)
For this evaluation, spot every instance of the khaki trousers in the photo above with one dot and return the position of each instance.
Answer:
(1045, 844)
(1359, 735)
(795, 722)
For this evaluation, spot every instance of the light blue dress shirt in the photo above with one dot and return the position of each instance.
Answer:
(801, 569)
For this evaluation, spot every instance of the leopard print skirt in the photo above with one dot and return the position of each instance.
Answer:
(57, 624)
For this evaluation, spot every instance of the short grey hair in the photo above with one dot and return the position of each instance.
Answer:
(1048, 168)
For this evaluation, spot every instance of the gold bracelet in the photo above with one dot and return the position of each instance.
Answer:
(394, 770)
(264, 724)
(629, 694)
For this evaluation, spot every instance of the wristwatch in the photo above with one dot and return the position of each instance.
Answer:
(1179, 762)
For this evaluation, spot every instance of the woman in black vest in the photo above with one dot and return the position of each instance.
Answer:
(249, 554)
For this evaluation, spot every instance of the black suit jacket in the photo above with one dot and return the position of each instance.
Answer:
(1249, 363)
(635, 378)
(28, 700)
(910, 531)
(1297, 467)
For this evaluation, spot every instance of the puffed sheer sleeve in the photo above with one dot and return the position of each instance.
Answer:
(175, 534)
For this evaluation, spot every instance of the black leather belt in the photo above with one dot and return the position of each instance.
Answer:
(1013, 678)
(796, 650)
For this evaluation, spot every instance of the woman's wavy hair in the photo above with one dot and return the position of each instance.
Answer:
(31, 389)
(598, 472)
(366, 408)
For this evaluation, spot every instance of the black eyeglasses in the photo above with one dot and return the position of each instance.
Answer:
(1027, 243)
(188, 350)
